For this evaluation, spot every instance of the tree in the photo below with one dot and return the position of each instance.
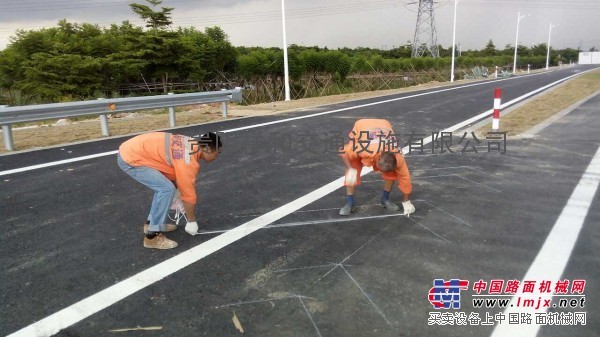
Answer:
(539, 49)
(154, 19)
(490, 49)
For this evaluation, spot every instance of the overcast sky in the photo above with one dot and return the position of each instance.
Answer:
(337, 23)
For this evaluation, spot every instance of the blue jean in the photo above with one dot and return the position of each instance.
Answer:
(164, 192)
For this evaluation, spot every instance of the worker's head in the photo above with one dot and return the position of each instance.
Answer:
(210, 145)
(386, 162)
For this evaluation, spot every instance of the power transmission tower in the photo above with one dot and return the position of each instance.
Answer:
(425, 40)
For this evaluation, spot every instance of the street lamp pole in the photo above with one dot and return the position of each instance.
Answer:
(519, 17)
(548, 53)
(453, 42)
(285, 55)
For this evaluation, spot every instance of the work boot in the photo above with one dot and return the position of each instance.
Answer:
(168, 228)
(159, 242)
(389, 205)
(347, 209)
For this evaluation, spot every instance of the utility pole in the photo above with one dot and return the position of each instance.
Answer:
(548, 53)
(453, 42)
(285, 55)
(519, 17)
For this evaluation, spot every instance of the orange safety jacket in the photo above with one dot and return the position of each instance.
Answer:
(373, 132)
(170, 155)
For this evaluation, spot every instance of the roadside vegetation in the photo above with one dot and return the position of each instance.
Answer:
(80, 61)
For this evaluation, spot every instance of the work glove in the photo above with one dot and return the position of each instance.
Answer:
(192, 228)
(408, 208)
(351, 174)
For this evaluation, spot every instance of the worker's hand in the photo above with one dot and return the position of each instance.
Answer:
(177, 203)
(192, 228)
(408, 208)
(351, 174)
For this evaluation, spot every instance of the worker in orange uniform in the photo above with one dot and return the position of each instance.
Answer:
(165, 163)
(372, 144)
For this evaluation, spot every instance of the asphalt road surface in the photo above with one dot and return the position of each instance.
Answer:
(280, 257)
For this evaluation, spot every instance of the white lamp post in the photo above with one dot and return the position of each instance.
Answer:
(548, 53)
(519, 17)
(453, 42)
(285, 55)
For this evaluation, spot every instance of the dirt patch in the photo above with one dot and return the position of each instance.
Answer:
(546, 105)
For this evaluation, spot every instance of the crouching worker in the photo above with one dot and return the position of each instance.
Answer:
(167, 162)
(369, 145)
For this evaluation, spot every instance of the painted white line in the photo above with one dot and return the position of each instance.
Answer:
(54, 163)
(467, 122)
(552, 259)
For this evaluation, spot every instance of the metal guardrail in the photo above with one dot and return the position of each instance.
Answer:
(105, 107)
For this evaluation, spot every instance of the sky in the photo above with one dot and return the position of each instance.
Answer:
(382, 24)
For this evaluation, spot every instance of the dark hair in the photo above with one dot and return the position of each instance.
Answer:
(387, 159)
(210, 139)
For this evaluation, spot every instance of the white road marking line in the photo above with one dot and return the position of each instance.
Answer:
(55, 163)
(467, 122)
(552, 259)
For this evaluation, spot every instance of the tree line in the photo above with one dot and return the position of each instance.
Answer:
(84, 61)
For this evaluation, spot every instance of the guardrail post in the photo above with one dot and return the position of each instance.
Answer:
(171, 114)
(9, 143)
(104, 122)
(8, 138)
(104, 125)
(224, 107)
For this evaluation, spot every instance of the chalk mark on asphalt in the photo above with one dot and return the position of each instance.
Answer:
(367, 296)
(312, 222)
(305, 268)
(443, 211)
(335, 266)
(429, 230)
(237, 304)
(310, 316)
(299, 297)
(480, 184)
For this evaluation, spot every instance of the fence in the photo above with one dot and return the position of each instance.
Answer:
(105, 107)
